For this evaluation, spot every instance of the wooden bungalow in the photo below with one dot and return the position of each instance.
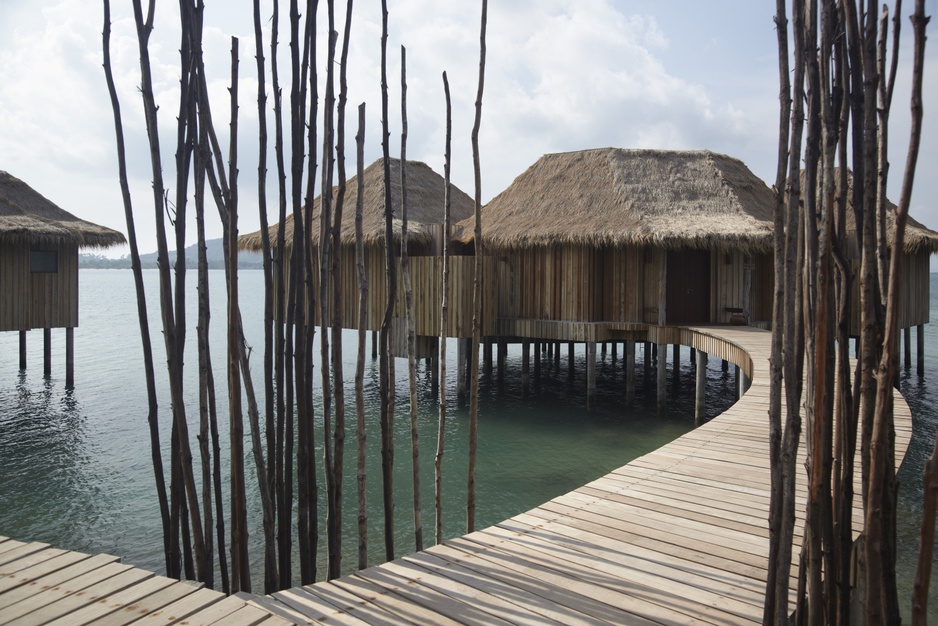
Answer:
(425, 238)
(39, 245)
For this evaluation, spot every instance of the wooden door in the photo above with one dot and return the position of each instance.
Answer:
(688, 287)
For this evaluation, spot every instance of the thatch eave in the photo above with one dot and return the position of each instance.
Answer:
(27, 218)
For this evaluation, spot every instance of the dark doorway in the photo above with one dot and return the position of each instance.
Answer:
(688, 287)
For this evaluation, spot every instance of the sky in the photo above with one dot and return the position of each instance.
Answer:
(560, 75)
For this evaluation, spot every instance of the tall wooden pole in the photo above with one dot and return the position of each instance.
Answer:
(590, 374)
(23, 349)
(47, 352)
(629, 364)
(662, 318)
(700, 388)
(69, 357)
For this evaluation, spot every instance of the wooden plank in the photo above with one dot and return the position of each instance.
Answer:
(54, 584)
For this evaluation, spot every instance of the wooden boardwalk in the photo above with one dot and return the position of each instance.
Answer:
(44, 585)
(677, 536)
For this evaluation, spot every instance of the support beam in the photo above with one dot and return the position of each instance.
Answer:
(676, 360)
(570, 358)
(590, 374)
(629, 364)
(646, 351)
(47, 352)
(487, 356)
(461, 355)
(920, 352)
(435, 373)
(662, 378)
(907, 346)
(556, 355)
(23, 349)
(742, 381)
(693, 357)
(726, 365)
(69, 358)
(525, 365)
(700, 408)
(736, 378)
(374, 344)
(537, 359)
(502, 354)
(615, 352)
(604, 351)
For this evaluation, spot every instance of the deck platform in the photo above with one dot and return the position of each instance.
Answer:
(677, 536)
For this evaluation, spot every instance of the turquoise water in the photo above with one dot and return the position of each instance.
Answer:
(75, 464)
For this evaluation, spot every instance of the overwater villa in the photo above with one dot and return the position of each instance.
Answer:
(39, 245)
(603, 245)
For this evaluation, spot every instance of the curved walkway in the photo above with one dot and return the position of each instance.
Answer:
(677, 536)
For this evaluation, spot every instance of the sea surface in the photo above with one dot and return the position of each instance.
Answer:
(75, 467)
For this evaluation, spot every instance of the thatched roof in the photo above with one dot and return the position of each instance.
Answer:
(615, 197)
(918, 237)
(424, 207)
(26, 217)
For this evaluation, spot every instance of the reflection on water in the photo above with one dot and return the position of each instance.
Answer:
(75, 464)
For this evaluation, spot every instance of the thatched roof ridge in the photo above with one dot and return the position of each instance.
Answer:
(424, 199)
(616, 197)
(918, 237)
(27, 218)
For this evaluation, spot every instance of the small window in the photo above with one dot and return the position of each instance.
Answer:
(43, 261)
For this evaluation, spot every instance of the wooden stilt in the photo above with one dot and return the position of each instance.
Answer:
(604, 351)
(374, 344)
(487, 355)
(629, 364)
(537, 359)
(556, 355)
(525, 365)
(47, 352)
(736, 378)
(590, 374)
(907, 346)
(435, 374)
(646, 351)
(920, 350)
(662, 378)
(23, 349)
(700, 409)
(550, 350)
(693, 357)
(570, 358)
(461, 355)
(69, 357)
(502, 353)
(725, 366)
(615, 352)
(676, 360)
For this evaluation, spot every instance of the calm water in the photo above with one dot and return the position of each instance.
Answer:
(75, 465)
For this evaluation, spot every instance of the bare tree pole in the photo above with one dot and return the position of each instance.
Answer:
(174, 357)
(152, 406)
(444, 320)
(409, 312)
(791, 362)
(881, 510)
(333, 524)
(241, 566)
(775, 375)
(362, 334)
(270, 427)
(476, 288)
(282, 369)
(337, 310)
(387, 410)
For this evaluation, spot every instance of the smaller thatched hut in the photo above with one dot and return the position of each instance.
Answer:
(39, 245)
(425, 236)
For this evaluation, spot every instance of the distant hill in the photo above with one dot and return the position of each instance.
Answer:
(213, 249)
